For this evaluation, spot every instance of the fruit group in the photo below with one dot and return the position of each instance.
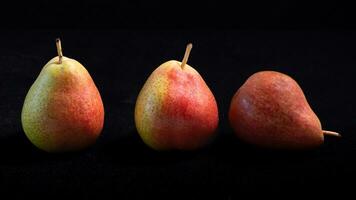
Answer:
(175, 108)
(270, 110)
(63, 110)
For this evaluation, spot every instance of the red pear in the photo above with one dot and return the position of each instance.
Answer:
(175, 109)
(270, 110)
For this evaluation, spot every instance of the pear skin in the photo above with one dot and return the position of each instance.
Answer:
(63, 110)
(270, 110)
(175, 109)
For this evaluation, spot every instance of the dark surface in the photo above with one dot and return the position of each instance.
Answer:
(270, 14)
(322, 62)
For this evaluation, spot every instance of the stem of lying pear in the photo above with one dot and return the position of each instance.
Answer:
(59, 50)
(186, 55)
(331, 133)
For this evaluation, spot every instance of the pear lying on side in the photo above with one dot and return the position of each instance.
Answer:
(270, 110)
(63, 110)
(175, 108)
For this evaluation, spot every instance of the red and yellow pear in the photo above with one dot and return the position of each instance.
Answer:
(63, 110)
(175, 109)
(270, 110)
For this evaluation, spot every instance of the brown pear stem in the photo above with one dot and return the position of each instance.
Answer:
(59, 50)
(331, 133)
(186, 55)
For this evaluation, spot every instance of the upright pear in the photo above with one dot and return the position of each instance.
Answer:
(63, 110)
(175, 109)
(270, 110)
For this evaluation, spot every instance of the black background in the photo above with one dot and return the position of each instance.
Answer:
(121, 44)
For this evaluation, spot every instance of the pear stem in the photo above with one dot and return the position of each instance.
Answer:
(186, 55)
(59, 50)
(331, 133)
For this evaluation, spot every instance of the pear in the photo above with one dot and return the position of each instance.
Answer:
(175, 109)
(270, 110)
(63, 110)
